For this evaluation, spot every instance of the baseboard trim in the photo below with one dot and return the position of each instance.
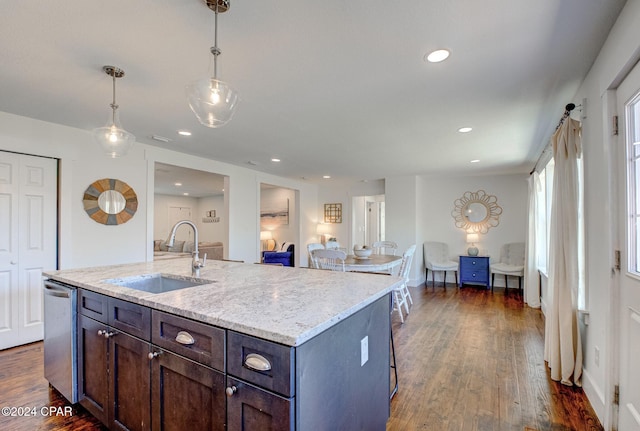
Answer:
(594, 394)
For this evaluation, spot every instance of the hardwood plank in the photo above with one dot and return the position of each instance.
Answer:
(23, 385)
(470, 359)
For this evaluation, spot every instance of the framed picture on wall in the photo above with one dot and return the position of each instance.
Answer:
(333, 213)
(275, 212)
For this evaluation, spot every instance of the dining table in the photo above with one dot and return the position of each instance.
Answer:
(372, 263)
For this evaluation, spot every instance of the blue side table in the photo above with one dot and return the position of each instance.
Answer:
(474, 270)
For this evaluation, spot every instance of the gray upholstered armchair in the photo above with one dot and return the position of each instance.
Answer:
(436, 258)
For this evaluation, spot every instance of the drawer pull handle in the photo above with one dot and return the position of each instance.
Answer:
(257, 362)
(230, 390)
(152, 355)
(185, 338)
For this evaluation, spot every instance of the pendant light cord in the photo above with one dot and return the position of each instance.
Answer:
(113, 104)
(215, 50)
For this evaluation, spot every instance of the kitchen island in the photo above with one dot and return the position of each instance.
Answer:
(292, 348)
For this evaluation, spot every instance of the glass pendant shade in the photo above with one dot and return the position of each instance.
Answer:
(113, 139)
(212, 101)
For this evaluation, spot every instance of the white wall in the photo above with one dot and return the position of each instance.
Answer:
(281, 232)
(619, 53)
(84, 242)
(437, 202)
(208, 232)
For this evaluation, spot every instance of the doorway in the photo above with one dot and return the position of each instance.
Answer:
(368, 220)
(189, 194)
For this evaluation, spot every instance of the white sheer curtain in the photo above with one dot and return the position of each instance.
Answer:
(562, 344)
(531, 277)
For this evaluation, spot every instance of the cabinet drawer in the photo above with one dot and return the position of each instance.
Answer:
(278, 378)
(93, 305)
(131, 318)
(475, 264)
(194, 340)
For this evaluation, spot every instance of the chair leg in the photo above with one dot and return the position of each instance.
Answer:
(506, 283)
(493, 279)
(433, 280)
(398, 305)
(444, 280)
(520, 283)
(456, 275)
(393, 364)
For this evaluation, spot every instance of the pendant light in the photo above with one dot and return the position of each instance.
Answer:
(114, 140)
(213, 101)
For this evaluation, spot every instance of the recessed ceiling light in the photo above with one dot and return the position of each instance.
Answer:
(185, 194)
(160, 138)
(177, 184)
(275, 160)
(437, 56)
(326, 177)
(475, 161)
(184, 132)
(465, 129)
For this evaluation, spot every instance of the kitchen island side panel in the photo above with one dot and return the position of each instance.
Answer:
(333, 390)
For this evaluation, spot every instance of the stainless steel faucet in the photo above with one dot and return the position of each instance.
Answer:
(196, 263)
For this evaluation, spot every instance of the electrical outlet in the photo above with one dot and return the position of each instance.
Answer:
(596, 358)
(364, 350)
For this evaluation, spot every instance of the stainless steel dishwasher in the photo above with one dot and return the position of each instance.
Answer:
(60, 329)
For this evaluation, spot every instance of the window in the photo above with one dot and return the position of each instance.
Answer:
(543, 214)
(633, 152)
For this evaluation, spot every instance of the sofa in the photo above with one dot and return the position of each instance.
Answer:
(285, 256)
(214, 250)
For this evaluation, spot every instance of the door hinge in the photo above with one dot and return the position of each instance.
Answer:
(616, 395)
(616, 256)
(614, 125)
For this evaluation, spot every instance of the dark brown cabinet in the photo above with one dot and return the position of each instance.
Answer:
(186, 395)
(131, 384)
(144, 369)
(251, 408)
(93, 381)
(114, 368)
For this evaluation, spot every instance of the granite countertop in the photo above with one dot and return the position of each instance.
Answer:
(285, 305)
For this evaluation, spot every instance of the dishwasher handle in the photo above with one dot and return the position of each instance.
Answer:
(52, 290)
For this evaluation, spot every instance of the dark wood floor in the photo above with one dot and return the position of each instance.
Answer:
(470, 359)
(467, 360)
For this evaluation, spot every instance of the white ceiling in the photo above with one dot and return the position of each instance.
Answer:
(336, 88)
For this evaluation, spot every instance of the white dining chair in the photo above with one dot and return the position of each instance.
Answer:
(310, 247)
(332, 260)
(385, 247)
(401, 294)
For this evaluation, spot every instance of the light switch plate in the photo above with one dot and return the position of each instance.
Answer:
(364, 350)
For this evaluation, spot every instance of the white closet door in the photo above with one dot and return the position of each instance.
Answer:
(28, 220)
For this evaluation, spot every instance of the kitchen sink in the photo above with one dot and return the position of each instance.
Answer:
(157, 283)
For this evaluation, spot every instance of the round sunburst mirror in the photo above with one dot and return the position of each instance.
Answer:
(110, 201)
(476, 212)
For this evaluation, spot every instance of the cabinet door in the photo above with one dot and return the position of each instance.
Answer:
(186, 395)
(130, 371)
(252, 409)
(93, 390)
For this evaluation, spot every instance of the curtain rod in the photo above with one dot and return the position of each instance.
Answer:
(567, 112)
